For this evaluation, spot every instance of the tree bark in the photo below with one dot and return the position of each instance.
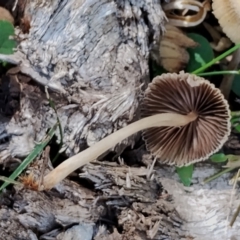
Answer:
(94, 56)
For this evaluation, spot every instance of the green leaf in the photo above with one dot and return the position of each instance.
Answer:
(157, 70)
(236, 85)
(6, 31)
(200, 55)
(218, 157)
(185, 174)
(237, 128)
(234, 120)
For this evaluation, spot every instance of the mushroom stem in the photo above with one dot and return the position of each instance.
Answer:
(227, 81)
(90, 154)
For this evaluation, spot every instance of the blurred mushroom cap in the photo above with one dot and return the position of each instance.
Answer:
(6, 15)
(228, 14)
(184, 93)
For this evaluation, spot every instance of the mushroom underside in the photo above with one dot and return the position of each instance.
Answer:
(182, 94)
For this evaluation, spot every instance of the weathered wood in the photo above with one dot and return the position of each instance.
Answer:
(122, 198)
(206, 210)
(93, 57)
(197, 212)
(140, 204)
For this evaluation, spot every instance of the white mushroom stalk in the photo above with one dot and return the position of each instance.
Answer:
(185, 120)
(185, 20)
(92, 153)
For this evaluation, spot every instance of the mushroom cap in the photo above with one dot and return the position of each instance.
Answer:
(184, 93)
(228, 14)
(6, 15)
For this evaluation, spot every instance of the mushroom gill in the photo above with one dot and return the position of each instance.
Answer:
(228, 14)
(184, 93)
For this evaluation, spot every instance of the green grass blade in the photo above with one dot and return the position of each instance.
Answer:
(217, 175)
(219, 73)
(220, 57)
(8, 180)
(36, 151)
(52, 105)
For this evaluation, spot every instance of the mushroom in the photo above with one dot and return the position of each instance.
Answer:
(228, 14)
(219, 43)
(178, 12)
(200, 138)
(5, 15)
(185, 120)
(172, 50)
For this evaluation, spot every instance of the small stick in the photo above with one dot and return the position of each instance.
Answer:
(150, 170)
(238, 209)
(44, 165)
(217, 175)
(232, 194)
(235, 216)
(15, 5)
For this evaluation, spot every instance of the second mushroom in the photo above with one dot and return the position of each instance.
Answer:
(185, 120)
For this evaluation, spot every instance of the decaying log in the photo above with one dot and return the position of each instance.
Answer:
(136, 208)
(92, 56)
(128, 199)
(198, 212)
(206, 210)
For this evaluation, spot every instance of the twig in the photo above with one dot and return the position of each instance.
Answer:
(238, 209)
(232, 194)
(235, 216)
(15, 5)
(44, 165)
(218, 175)
(151, 168)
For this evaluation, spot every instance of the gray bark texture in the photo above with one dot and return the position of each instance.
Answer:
(92, 58)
